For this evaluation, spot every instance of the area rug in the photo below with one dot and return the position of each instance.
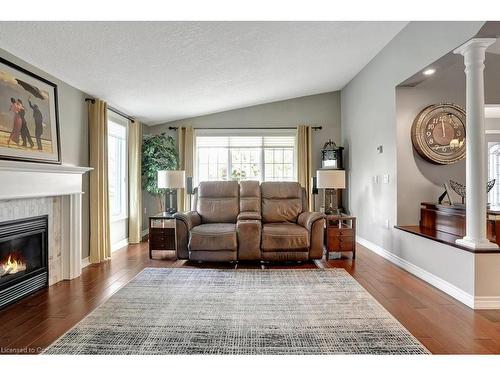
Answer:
(209, 311)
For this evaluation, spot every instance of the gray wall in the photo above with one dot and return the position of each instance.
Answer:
(492, 123)
(74, 133)
(369, 120)
(314, 110)
(417, 179)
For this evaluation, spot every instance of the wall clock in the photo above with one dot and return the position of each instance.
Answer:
(438, 133)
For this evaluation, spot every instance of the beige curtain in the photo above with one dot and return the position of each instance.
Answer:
(186, 156)
(304, 159)
(134, 181)
(100, 247)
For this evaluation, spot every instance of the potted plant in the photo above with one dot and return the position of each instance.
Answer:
(159, 152)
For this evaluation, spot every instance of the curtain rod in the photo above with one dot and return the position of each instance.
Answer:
(118, 112)
(250, 128)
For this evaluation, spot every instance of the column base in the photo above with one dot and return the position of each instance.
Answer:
(476, 244)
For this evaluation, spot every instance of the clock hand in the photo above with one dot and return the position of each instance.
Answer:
(442, 127)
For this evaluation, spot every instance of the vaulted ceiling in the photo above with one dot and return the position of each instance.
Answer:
(163, 71)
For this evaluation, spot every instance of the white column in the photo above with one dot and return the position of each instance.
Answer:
(72, 262)
(476, 172)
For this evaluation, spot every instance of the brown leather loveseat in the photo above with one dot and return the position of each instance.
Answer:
(250, 221)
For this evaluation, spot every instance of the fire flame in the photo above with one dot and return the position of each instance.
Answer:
(12, 266)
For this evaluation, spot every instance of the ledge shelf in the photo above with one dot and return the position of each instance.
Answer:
(442, 237)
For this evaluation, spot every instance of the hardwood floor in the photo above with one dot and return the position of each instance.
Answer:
(441, 323)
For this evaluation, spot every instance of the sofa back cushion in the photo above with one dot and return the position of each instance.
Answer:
(218, 201)
(250, 196)
(281, 201)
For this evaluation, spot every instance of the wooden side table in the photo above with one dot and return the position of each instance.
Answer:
(340, 234)
(162, 233)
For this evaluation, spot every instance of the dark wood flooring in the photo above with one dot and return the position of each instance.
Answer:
(441, 323)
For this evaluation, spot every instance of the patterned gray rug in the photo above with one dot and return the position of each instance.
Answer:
(208, 311)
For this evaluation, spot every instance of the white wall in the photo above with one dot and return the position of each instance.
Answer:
(315, 110)
(73, 131)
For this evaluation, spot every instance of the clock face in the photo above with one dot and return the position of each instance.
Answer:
(438, 133)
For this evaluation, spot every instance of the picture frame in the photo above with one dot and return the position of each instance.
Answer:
(29, 116)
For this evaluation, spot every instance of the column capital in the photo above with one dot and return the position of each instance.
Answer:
(474, 44)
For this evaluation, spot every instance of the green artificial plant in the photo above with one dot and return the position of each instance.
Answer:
(159, 152)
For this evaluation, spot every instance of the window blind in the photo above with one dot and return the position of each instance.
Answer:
(244, 141)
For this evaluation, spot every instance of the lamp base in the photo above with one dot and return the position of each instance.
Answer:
(330, 202)
(171, 201)
(331, 211)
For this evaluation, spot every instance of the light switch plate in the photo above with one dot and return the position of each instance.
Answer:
(386, 178)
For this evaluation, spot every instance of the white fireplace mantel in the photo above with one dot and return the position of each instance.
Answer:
(19, 180)
(31, 180)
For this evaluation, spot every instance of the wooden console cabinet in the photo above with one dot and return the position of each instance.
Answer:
(451, 219)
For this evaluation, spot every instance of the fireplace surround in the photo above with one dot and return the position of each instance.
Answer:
(23, 258)
(30, 190)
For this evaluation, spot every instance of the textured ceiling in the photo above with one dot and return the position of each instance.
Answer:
(163, 71)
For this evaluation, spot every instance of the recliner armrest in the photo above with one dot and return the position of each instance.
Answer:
(307, 219)
(190, 218)
(249, 215)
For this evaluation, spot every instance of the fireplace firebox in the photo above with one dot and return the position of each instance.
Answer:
(23, 258)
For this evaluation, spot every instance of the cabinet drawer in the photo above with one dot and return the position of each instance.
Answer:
(340, 243)
(341, 232)
(163, 232)
(162, 243)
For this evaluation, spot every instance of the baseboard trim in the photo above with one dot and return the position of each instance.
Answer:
(487, 303)
(119, 244)
(443, 285)
(85, 262)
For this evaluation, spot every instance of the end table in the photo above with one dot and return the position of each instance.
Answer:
(340, 234)
(162, 233)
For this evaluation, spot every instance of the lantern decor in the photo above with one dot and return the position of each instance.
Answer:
(331, 176)
(331, 156)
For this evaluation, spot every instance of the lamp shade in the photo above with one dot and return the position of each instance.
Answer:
(171, 179)
(330, 179)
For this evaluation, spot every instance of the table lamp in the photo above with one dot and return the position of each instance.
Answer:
(171, 180)
(330, 180)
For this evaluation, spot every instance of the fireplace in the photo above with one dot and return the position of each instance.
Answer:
(23, 258)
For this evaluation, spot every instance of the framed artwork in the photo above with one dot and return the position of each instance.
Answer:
(29, 123)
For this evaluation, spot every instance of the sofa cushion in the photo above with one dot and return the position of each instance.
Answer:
(284, 237)
(281, 201)
(250, 196)
(213, 237)
(218, 201)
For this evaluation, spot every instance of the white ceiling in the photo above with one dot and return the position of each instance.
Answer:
(163, 71)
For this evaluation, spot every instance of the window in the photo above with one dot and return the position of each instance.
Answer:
(117, 170)
(494, 172)
(246, 157)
